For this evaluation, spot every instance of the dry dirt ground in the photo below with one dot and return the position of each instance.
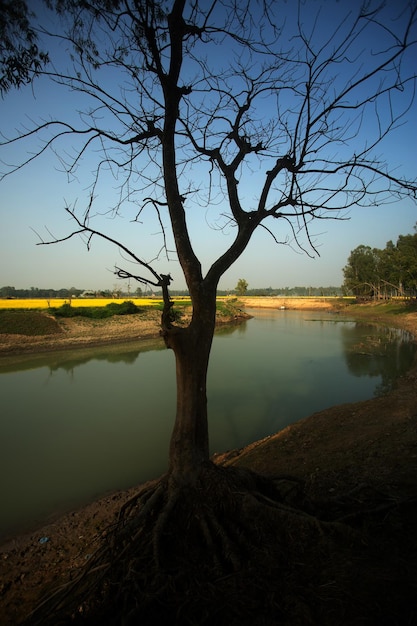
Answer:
(348, 449)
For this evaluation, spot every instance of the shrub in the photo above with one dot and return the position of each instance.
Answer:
(66, 310)
(97, 312)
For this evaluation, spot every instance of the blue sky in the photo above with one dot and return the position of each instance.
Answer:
(32, 201)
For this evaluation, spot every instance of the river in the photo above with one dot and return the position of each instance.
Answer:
(78, 424)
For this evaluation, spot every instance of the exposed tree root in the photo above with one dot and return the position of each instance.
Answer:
(224, 548)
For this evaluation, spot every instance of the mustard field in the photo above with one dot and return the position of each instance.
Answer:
(45, 303)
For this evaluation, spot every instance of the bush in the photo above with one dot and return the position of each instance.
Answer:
(97, 312)
(66, 310)
(125, 308)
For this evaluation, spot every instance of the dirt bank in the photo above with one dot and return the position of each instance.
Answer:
(293, 303)
(345, 449)
(82, 332)
(79, 332)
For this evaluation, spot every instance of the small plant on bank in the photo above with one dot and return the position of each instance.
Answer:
(231, 307)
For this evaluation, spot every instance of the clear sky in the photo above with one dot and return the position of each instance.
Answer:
(32, 201)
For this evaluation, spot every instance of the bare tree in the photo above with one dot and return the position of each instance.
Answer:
(187, 99)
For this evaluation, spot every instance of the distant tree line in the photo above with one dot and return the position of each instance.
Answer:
(9, 291)
(379, 274)
(295, 291)
(73, 292)
(269, 292)
(34, 292)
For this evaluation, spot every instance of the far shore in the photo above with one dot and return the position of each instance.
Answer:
(79, 332)
(291, 302)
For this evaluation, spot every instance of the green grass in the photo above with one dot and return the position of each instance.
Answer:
(30, 323)
(390, 307)
(231, 306)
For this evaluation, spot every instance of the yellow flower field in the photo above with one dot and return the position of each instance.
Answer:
(45, 303)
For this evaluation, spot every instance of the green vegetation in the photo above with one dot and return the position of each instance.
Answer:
(374, 273)
(8, 291)
(391, 307)
(30, 323)
(241, 287)
(230, 307)
(97, 312)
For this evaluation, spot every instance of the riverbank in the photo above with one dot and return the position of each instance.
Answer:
(82, 332)
(294, 302)
(351, 448)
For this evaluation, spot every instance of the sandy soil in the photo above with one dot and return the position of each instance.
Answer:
(372, 442)
(277, 302)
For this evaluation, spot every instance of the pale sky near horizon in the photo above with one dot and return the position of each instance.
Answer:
(32, 201)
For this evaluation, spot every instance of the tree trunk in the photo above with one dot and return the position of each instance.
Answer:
(189, 446)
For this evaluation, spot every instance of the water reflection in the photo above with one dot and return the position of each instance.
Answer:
(378, 351)
(286, 367)
(70, 359)
(77, 424)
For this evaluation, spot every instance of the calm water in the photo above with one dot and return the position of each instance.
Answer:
(78, 424)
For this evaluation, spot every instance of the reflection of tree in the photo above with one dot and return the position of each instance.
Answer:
(230, 328)
(124, 354)
(70, 364)
(378, 351)
(70, 359)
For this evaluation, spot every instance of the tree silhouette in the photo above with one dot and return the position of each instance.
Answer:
(186, 100)
(20, 58)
